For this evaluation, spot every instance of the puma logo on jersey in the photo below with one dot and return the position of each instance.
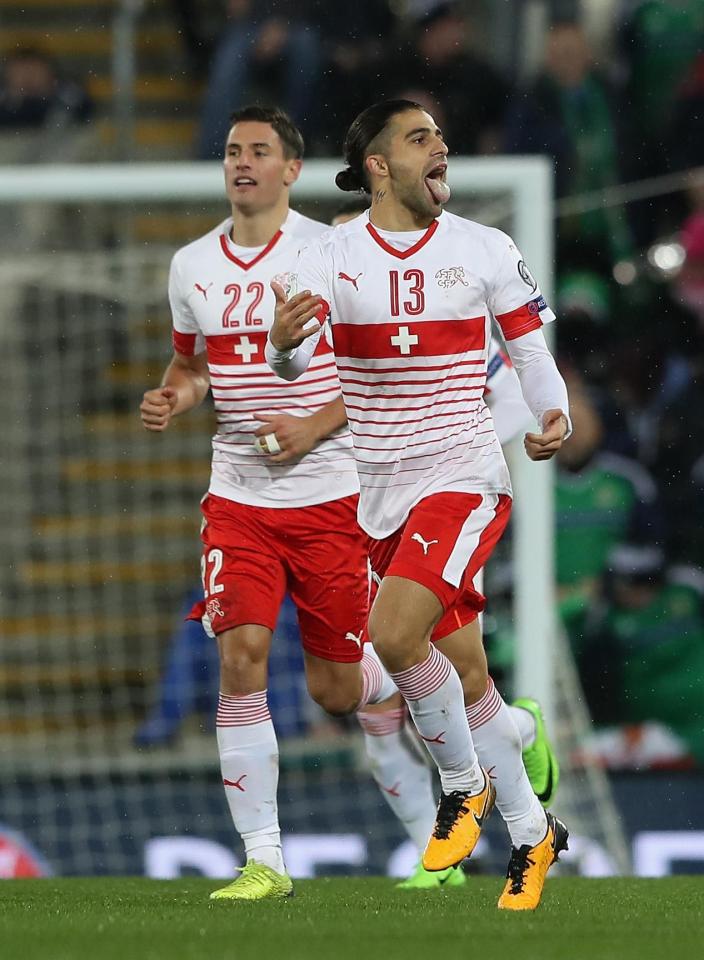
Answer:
(355, 638)
(352, 280)
(392, 791)
(235, 783)
(203, 290)
(425, 544)
(438, 738)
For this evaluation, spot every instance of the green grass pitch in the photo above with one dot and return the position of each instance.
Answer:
(349, 919)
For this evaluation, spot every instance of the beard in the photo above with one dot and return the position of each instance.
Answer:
(414, 196)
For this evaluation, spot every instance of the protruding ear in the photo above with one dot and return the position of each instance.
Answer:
(376, 165)
(292, 172)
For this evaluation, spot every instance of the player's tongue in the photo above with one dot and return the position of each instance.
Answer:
(439, 190)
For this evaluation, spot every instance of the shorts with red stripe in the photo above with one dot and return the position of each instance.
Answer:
(254, 555)
(444, 543)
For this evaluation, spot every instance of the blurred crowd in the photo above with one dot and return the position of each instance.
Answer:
(630, 278)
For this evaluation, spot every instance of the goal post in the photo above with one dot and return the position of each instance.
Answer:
(100, 521)
(527, 183)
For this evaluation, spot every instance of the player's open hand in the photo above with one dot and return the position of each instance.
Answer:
(156, 408)
(291, 317)
(543, 446)
(287, 437)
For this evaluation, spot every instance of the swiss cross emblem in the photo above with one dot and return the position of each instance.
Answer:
(449, 276)
(404, 340)
(246, 349)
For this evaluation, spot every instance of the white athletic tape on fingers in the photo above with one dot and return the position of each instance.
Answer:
(268, 443)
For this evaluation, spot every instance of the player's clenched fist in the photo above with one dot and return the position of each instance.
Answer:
(157, 407)
(543, 446)
(291, 317)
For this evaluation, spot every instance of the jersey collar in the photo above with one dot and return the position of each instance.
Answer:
(248, 264)
(402, 254)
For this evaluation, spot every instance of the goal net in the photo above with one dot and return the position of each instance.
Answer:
(109, 763)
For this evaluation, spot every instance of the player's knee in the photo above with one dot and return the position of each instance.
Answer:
(395, 645)
(242, 667)
(338, 703)
(475, 679)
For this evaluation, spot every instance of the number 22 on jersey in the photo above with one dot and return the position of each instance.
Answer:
(255, 290)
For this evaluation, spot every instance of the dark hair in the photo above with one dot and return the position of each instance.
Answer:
(289, 134)
(363, 131)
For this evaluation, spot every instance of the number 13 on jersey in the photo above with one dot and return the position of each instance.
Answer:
(410, 286)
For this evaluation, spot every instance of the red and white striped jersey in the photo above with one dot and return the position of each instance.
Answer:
(411, 318)
(221, 302)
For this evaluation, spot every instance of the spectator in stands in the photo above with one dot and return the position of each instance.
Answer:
(464, 93)
(601, 500)
(355, 49)
(268, 53)
(664, 386)
(658, 43)
(645, 646)
(655, 359)
(34, 94)
(586, 306)
(686, 126)
(567, 114)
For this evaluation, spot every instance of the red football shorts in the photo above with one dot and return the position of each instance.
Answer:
(253, 555)
(444, 543)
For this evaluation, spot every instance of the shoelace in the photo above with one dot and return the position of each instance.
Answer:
(251, 875)
(449, 809)
(517, 868)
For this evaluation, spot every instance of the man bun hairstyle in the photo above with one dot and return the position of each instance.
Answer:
(289, 134)
(363, 131)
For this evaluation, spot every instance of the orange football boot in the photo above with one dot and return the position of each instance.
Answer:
(458, 823)
(528, 868)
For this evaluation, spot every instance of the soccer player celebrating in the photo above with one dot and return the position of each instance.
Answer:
(397, 762)
(280, 513)
(410, 292)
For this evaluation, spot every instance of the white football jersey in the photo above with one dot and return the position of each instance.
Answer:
(221, 302)
(411, 318)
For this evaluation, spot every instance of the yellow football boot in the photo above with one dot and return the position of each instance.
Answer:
(458, 823)
(257, 882)
(528, 867)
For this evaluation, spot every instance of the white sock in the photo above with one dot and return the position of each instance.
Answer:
(498, 745)
(525, 721)
(405, 780)
(249, 761)
(377, 685)
(433, 692)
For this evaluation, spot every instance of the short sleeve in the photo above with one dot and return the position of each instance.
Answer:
(187, 336)
(515, 299)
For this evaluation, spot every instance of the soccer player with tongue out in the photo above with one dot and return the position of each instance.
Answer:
(409, 293)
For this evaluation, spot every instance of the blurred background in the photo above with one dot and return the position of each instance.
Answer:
(107, 759)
